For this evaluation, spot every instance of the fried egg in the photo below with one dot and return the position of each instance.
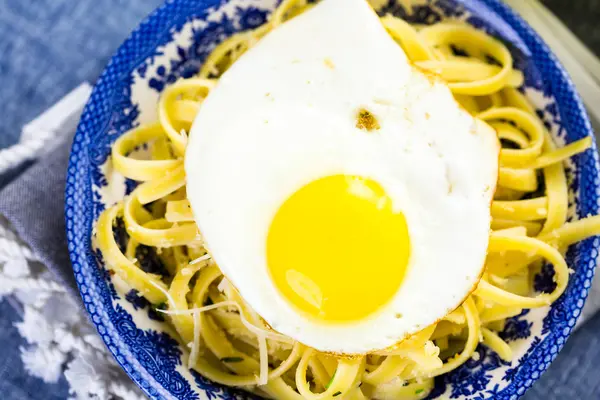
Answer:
(345, 194)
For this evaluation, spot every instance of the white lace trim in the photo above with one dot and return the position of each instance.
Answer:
(60, 340)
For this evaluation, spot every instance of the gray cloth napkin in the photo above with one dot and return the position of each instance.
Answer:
(34, 205)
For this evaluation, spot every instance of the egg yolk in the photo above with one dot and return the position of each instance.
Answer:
(336, 249)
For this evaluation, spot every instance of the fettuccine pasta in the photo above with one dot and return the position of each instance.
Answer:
(230, 344)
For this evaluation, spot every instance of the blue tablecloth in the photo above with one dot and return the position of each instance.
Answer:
(49, 47)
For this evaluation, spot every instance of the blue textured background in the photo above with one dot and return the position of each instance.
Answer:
(48, 47)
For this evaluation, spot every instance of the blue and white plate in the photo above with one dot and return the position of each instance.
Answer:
(172, 43)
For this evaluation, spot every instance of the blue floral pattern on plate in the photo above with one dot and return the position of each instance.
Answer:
(172, 43)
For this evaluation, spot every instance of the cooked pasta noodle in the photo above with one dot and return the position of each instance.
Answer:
(230, 344)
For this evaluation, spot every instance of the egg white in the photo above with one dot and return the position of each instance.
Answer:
(284, 115)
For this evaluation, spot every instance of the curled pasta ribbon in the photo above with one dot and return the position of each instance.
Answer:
(218, 344)
(529, 124)
(506, 194)
(184, 323)
(554, 174)
(288, 9)
(461, 69)
(445, 329)
(206, 278)
(526, 245)
(416, 341)
(398, 390)
(244, 368)
(255, 329)
(161, 149)
(408, 38)
(140, 170)
(457, 317)
(233, 359)
(532, 228)
(468, 103)
(499, 312)
(227, 52)
(494, 342)
(562, 154)
(179, 211)
(215, 340)
(227, 351)
(172, 105)
(144, 283)
(158, 188)
(168, 235)
(521, 210)
(346, 377)
(511, 133)
(508, 263)
(572, 232)
(409, 359)
(522, 180)
(473, 325)
(518, 282)
(497, 100)
(478, 44)
(514, 98)
(321, 377)
(390, 368)
(515, 231)
(556, 190)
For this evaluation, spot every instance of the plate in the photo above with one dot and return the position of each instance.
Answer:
(172, 43)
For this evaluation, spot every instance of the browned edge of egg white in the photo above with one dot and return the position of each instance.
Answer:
(367, 120)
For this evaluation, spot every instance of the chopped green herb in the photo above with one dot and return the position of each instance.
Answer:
(331, 380)
(161, 306)
(232, 359)
(419, 391)
(336, 394)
